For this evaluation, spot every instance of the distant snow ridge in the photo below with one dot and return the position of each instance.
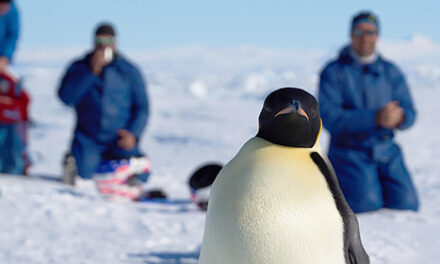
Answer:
(427, 75)
(258, 84)
(198, 89)
(249, 71)
(255, 84)
(419, 58)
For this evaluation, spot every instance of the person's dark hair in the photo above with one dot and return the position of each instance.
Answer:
(5, 1)
(364, 16)
(104, 28)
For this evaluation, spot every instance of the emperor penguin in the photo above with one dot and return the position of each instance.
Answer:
(278, 200)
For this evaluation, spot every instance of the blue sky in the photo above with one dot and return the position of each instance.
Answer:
(155, 24)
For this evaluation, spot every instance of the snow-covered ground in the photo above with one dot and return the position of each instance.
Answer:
(205, 105)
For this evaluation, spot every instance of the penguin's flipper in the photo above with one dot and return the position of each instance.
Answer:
(353, 250)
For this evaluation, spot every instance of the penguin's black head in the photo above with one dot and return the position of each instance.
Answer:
(290, 117)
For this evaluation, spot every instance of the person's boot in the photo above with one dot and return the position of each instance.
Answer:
(69, 170)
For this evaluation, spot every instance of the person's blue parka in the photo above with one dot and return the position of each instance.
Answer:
(350, 95)
(11, 143)
(9, 31)
(104, 104)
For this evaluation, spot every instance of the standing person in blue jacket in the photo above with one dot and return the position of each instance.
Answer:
(9, 31)
(363, 100)
(110, 100)
(13, 100)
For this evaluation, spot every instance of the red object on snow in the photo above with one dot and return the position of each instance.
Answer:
(13, 100)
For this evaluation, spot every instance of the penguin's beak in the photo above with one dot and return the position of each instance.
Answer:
(294, 107)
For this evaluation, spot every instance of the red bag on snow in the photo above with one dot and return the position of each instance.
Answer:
(13, 100)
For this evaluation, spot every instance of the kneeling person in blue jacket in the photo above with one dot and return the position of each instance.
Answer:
(110, 99)
(363, 99)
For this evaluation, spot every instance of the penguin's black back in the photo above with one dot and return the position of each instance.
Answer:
(354, 252)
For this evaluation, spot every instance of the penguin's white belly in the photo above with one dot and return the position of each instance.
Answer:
(272, 205)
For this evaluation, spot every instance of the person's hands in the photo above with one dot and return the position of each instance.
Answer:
(126, 140)
(4, 62)
(97, 62)
(390, 116)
